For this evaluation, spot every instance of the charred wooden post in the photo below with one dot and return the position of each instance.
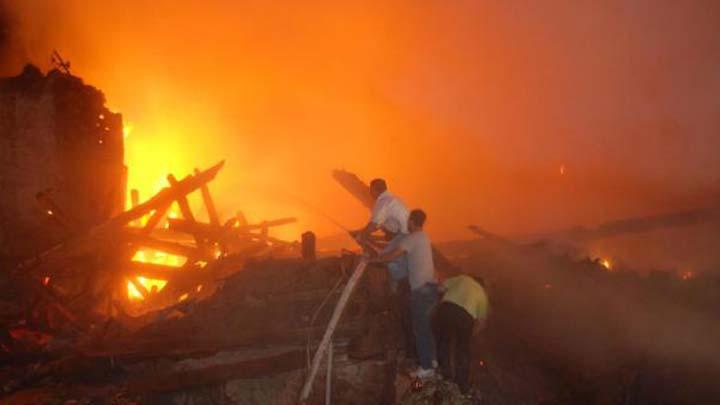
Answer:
(134, 198)
(209, 203)
(134, 202)
(308, 245)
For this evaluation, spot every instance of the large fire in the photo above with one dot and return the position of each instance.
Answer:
(153, 256)
(150, 284)
(144, 255)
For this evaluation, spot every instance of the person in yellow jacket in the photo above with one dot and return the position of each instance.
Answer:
(460, 314)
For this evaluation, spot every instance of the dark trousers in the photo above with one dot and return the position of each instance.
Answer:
(422, 302)
(402, 307)
(453, 327)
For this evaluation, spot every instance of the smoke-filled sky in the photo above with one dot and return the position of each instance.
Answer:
(468, 108)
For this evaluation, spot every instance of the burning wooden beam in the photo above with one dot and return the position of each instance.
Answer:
(167, 195)
(140, 240)
(155, 271)
(88, 242)
(209, 203)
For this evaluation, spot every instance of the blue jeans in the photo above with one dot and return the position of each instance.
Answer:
(398, 268)
(422, 303)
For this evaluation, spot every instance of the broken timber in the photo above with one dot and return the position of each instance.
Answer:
(105, 255)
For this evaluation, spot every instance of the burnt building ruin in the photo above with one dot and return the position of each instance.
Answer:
(61, 157)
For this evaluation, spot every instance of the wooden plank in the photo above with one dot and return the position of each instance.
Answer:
(168, 195)
(140, 288)
(644, 224)
(276, 241)
(264, 225)
(175, 344)
(182, 201)
(174, 248)
(134, 202)
(155, 218)
(197, 229)
(88, 242)
(215, 374)
(219, 233)
(134, 198)
(352, 184)
(152, 270)
(627, 226)
(185, 210)
(209, 203)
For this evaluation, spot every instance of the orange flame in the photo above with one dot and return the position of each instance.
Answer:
(154, 257)
(149, 284)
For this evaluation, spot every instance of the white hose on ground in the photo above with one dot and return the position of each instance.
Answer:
(328, 376)
(334, 319)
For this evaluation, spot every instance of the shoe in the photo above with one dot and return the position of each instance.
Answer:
(423, 373)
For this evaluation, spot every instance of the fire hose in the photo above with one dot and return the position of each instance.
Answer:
(332, 325)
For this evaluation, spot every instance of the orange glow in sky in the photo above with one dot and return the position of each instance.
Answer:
(465, 108)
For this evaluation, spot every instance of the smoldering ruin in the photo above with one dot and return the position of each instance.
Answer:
(148, 304)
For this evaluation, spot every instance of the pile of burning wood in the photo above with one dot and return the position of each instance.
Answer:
(154, 301)
(129, 265)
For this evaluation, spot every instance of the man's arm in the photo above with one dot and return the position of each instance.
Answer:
(362, 237)
(389, 255)
(364, 233)
(377, 217)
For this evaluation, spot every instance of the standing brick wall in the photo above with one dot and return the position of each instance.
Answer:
(57, 138)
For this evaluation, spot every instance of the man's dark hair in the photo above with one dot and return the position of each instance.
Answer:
(418, 217)
(378, 184)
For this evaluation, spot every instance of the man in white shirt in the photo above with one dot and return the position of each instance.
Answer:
(390, 215)
(423, 288)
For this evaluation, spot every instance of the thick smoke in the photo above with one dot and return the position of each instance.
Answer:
(26, 34)
(469, 109)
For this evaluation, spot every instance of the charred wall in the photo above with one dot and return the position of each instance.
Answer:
(61, 160)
